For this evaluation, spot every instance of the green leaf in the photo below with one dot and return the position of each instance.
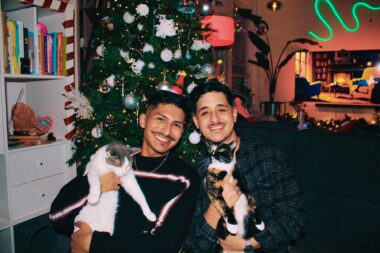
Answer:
(259, 43)
(287, 59)
(247, 14)
(304, 41)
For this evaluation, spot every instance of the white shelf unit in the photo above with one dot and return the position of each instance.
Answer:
(31, 176)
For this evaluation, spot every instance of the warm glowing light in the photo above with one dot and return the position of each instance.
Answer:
(317, 4)
(369, 63)
(274, 5)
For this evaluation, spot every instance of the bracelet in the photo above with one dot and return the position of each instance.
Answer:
(248, 247)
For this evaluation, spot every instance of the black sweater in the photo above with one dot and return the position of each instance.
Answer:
(170, 192)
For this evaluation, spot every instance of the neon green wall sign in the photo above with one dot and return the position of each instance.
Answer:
(357, 5)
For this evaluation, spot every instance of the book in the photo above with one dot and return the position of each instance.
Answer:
(59, 53)
(11, 25)
(31, 54)
(5, 42)
(64, 47)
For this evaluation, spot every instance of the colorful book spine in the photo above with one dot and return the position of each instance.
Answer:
(59, 53)
(64, 72)
(5, 42)
(12, 46)
(49, 58)
(55, 52)
(31, 54)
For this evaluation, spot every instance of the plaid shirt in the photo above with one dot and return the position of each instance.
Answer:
(265, 173)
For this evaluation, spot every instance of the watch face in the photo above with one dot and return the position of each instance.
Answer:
(249, 249)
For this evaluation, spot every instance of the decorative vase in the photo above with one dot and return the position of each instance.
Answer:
(271, 108)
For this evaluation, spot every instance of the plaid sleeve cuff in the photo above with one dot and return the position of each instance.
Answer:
(264, 238)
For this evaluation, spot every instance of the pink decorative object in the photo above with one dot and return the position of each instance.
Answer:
(224, 34)
(42, 27)
(43, 124)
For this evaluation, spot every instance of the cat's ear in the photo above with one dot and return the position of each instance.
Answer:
(135, 151)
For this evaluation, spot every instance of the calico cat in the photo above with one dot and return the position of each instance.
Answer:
(100, 211)
(243, 218)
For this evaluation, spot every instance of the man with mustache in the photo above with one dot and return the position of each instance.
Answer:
(264, 173)
(169, 184)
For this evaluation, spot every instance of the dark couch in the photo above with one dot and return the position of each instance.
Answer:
(304, 90)
(340, 177)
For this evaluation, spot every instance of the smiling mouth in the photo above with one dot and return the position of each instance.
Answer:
(162, 138)
(216, 127)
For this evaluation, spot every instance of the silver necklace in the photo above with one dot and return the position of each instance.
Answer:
(159, 166)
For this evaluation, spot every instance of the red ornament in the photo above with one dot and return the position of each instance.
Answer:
(224, 34)
(176, 89)
(181, 79)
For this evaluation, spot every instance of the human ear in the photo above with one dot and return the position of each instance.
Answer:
(195, 120)
(235, 113)
(142, 120)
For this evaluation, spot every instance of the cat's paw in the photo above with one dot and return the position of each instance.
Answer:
(150, 216)
(232, 228)
(92, 199)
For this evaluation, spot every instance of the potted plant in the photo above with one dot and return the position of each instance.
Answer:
(263, 56)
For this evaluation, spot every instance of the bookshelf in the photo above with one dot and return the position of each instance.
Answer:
(321, 62)
(31, 173)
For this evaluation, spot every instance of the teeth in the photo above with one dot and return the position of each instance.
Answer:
(217, 127)
(161, 138)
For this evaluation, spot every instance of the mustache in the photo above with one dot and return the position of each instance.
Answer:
(166, 136)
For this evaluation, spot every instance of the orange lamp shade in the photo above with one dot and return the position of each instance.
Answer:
(224, 34)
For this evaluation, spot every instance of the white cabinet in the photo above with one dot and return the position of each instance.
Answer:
(31, 174)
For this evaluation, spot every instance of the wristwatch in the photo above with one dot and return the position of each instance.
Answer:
(248, 247)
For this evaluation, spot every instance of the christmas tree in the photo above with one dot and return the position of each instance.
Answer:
(141, 47)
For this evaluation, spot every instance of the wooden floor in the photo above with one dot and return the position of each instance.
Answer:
(313, 244)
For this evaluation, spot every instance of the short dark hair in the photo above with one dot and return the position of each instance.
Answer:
(212, 85)
(168, 97)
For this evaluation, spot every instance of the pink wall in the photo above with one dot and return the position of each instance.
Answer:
(293, 21)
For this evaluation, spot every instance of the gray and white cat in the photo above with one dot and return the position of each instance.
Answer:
(100, 211)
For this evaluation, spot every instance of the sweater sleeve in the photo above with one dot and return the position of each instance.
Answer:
(67, 204)
(287, 206)
(168, 238)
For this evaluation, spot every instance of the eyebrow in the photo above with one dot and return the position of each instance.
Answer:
(218, 105)
(164, 116)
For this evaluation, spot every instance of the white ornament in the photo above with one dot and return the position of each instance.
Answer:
(151, 65)
(140, 27)
(138, 66)
(206, 45)
(194, 137)
(148, 48)
(191, 87)
(165, 28)
(166, 55)
(97, 132)
(142, 9)
(80, 104)
(128, 18)
(125, 56)
(100, 50)
(177, 54)
(111, 80)
(199, 44)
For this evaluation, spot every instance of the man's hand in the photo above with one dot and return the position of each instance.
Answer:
(232, 243)
(231, 192)
(81, 240)
(109, 182)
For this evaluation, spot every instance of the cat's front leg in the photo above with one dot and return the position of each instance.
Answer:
(132, 187)
(94, 182)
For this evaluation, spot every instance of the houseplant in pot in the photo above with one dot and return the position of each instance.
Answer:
(263, 56)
